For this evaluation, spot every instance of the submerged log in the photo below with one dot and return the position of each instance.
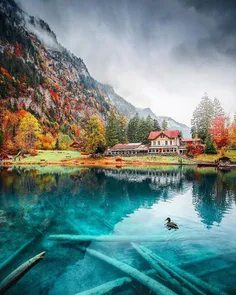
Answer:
(150, 283)
(107, 287)
(106, 238)
(40, 231)
(164, 274)
(13, 256)
(183, 275)
(18, 273)
(111, 238)
(111, 286)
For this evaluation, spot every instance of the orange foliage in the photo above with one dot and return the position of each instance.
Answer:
(219, 132)
(5, 73)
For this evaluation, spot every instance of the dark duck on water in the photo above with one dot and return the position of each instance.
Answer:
(170, 224)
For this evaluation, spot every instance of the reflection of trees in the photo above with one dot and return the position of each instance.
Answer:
(28, 196)
(211, 196)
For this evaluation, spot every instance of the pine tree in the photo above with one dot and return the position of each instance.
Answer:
(156, 125)
(202, 117)
(210, 147)
(57, 144)
(132, 129)
(164, 125)
(112, 130)
(122, 124)
(218, 111)
(143, 131)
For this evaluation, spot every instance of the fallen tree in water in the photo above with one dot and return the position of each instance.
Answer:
(18, 273)
(108, 287)
(111, 286)
(175, 285)
(114, 238)
(150, 283)
(183, 275)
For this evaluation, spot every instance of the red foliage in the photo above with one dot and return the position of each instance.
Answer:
(219, 131)
(18, 49)
(54, 96)
(195, 149)
(5, 73)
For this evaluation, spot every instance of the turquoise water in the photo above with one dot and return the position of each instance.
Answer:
(36, 203)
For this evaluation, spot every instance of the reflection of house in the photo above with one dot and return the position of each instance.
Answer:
(127, 149)
(165, 142)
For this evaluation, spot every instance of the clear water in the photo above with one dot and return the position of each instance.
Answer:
(35, 203)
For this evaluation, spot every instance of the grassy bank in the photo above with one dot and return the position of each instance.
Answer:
(211, 158)
(74, 158)
(51, 156)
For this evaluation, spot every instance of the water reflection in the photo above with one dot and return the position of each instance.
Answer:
(213, 193)
(37, 202)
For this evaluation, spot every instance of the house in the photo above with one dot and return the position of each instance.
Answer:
(76, 145)
(128, 149)
(165, 142)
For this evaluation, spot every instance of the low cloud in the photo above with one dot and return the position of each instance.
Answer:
(159, 54)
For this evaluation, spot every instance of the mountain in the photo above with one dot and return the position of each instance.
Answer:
(39, 75)
(130, 110)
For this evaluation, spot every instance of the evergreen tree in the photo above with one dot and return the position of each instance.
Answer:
(57, 144)
(210, 147)
(218, 111)
(156, 125)
(122, 124)
(164, 125)
(112, 130)
(202, 117)
(143, 131)
(132, 129)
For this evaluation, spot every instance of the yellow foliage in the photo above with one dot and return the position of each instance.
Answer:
(29, 132)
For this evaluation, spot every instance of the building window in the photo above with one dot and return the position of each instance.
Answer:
(166, 142)
(170, 142)
(159, 143)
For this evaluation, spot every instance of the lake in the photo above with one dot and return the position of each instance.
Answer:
(36, 202)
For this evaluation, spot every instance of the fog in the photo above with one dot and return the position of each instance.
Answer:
(159, 54)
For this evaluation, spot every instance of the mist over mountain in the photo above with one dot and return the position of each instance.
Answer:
(41, 76)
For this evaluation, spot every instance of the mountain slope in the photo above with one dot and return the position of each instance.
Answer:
(130, 110)
(39, 75)
(42, 77)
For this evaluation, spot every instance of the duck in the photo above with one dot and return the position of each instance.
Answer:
(170, 224)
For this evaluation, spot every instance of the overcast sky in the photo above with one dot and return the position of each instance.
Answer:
(162, 54)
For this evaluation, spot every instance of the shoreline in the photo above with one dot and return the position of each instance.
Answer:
(90, 162)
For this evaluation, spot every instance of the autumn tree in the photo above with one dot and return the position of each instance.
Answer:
(28, 133)
(219, 131)
(95, 141)
(64, 141)
(47, 141)
(232, 134)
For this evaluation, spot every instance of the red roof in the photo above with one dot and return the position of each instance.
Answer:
(168, 133)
